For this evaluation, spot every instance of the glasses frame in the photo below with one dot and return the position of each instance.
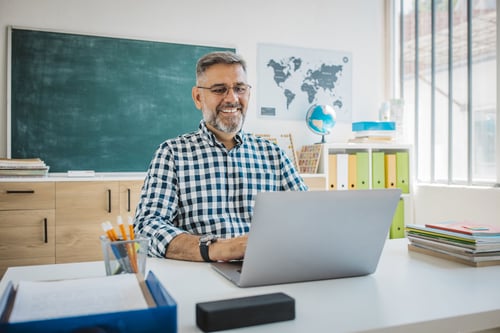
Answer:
(233, 88)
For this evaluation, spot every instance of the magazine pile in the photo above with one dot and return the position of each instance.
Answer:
(469, 243)
(23, 167)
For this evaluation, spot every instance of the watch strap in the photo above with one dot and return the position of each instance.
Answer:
(205, 241)
(204, 252)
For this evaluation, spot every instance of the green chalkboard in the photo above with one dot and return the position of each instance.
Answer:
(83, 102)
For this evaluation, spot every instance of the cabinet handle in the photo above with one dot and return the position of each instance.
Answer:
(109, 201)
(46, 236)
(128, 200)
(20, 191)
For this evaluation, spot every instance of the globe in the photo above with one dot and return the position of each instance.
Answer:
(321, 119)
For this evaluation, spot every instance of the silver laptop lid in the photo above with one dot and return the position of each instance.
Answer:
(303, 236)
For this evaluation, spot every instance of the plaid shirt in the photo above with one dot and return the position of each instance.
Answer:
(195, 185)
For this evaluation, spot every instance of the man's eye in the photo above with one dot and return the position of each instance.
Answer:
(240, 90)
(219, 90)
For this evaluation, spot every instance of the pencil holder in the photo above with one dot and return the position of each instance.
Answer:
(127, 256)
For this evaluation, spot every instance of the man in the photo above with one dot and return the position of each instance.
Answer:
(197, 200)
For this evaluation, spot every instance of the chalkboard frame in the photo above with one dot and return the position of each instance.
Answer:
(114, 149)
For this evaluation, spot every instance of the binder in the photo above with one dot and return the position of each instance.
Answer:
(352, 172)
(342, 171)
(332, 171)
(378, 169)
(390, 170)
(402, 172)
(397, 229)
(362, 170)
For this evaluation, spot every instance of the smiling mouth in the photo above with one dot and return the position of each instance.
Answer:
(231, 110)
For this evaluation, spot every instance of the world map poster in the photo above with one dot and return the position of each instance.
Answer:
(292, 79)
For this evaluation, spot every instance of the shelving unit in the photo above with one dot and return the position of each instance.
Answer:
(324, 179)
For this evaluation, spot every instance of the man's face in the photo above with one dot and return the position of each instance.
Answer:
(223, 97)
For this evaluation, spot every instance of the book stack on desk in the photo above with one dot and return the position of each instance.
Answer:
(469, 243)
(19, 167)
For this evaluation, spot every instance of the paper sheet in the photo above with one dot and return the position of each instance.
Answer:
(39, 300)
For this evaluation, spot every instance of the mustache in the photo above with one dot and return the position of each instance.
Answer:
(230, 105)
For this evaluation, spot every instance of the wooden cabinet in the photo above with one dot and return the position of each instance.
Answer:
(47, 221)
(81, 207)
(27, 224)
(130, 192)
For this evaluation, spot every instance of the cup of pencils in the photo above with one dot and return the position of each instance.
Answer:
(123, 253)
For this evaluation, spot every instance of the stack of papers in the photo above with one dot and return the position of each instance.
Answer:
(18, 167)
(377, 131)
(470, 243)
(42, 300)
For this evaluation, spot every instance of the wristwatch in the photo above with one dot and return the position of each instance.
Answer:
(205, 241)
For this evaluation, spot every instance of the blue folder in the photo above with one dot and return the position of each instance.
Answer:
(373, 126)
(162, 318)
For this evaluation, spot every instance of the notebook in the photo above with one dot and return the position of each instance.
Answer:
(313, 235)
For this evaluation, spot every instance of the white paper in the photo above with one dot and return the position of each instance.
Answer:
(39, 300)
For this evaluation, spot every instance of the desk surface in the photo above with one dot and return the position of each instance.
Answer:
(409, 292)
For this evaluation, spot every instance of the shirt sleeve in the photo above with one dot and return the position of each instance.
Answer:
(157, 208)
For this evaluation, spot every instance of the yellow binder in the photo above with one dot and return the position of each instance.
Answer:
(390, 170)
(378, 169)
(402, 172)
(397, 229)
(332, 171)
(362, 170)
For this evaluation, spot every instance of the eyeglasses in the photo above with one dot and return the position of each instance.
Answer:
(222, 89)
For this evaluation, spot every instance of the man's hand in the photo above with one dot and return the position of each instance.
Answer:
(186, 247)
(228, 249)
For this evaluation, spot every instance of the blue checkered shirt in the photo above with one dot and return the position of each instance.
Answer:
(195, 185)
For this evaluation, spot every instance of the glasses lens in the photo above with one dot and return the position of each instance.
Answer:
(240, 90)
(219, 90)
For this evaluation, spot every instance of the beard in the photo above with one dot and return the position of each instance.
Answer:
(225, 124)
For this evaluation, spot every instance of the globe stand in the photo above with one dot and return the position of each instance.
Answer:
(322, 139)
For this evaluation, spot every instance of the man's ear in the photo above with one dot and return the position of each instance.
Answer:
(195, 93)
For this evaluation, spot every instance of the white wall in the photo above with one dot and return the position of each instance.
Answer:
(356, 26)
(434, 203)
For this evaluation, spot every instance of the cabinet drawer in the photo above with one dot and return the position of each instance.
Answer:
(27, 234)
(14, 195)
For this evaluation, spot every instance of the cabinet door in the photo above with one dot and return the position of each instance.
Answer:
(130, 192)
(27, 237)
(81, 207)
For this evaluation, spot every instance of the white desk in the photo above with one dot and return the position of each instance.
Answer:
(409, 292)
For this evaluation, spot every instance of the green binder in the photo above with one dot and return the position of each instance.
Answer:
(402, 172)
(378, 169)
(362, 170)
(398, 222)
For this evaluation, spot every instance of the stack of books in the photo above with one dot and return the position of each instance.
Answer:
(469, 243)
(23, 167)
(373, 131)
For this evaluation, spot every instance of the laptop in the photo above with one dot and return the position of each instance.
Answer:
(313, 235)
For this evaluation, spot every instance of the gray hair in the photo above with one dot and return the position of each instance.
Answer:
(214, 58)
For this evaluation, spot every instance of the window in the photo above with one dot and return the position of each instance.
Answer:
(447, 76)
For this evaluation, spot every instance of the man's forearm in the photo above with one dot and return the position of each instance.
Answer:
(186, 247)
